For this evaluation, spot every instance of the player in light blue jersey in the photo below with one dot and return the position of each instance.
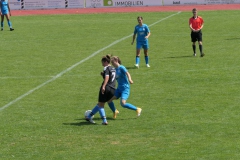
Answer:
(124, 80)
(142, 31)
(5, 11)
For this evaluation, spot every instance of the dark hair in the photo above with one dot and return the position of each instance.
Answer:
(115, 58)
(194, 9)
(106, 58)
(140, 17)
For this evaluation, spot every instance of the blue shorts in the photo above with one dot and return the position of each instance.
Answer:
(142, 44)
(124, 94)
(4, 12)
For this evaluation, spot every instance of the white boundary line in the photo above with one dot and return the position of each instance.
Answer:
(75, 65)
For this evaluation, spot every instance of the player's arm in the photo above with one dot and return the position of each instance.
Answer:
(9, 9)
(105, 83)
(129, 77)
(134, 36)
(148, 34)
(190, 25)
(0, 8)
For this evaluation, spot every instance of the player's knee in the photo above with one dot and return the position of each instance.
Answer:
(122, 104)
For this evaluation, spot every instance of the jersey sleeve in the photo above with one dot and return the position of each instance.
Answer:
(147, 29)
(135, 30)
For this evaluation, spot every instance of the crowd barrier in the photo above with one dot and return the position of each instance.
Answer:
(58, 4)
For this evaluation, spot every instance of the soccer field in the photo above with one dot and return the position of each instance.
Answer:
(50, 75)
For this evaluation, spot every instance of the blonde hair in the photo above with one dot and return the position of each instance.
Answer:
(116, 59)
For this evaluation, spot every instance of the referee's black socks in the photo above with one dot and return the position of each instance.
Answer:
(194, 48)
(200, 48)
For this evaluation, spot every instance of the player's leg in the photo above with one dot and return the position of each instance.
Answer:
(110, 94)
(193, 39)
(145, 47)
(9, 22)
(2, 19)
(123, 102)
(102, 113)
(200, 43)
(138, 50)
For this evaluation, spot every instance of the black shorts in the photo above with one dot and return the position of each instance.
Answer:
(196, 36)
(108, 94)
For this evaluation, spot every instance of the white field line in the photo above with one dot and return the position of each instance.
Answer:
(75, 65)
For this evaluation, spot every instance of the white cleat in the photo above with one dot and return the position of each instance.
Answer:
(90, 120)
(148, 65)
(136, 65)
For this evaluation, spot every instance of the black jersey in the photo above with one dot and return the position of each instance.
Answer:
(111, 72)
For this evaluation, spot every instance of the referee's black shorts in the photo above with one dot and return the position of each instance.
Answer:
(108, 94)
(196, 36)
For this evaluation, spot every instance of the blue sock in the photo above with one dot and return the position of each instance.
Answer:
(94, 111)
(102, 114)
(137, 59)
(112, 107)
(146, 59)
(129, 106)
(2, 24)
(9, 24)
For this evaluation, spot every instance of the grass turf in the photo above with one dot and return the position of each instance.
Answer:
(190, 104)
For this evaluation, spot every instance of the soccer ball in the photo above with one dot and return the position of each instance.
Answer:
(87, 113)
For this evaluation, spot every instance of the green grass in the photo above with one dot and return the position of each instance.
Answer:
(190, 104)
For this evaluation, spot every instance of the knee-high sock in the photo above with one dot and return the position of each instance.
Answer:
(112, 106)
(194, 48)
(200, 48)
(137, 59)
(102, 114)
(146, 59)
(129, 106)
(9, 24)
(94, 111)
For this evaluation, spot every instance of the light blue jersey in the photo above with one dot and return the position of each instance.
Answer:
(123, 89)
(4, 7)
(122, 78)
(142, 32)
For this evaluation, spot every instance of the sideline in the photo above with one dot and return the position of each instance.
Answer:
(75, 65)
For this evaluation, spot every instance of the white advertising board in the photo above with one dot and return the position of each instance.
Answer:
(43, 4)
(221, 1)
(75, 4)
(182, 2)
(15, 4)
(122, 3)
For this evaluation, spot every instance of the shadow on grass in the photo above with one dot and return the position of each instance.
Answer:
(128, 68)
(233, 39)
(181, 57)
(84, 122)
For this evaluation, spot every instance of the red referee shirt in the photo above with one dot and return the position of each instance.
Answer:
(196, 22)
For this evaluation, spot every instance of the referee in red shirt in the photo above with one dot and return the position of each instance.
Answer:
(196, 25)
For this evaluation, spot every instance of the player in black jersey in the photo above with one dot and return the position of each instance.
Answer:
(106, 91)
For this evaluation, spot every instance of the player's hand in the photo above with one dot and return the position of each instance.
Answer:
(103, 90)
(131, 81)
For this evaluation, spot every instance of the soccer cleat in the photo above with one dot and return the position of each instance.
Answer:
(105, 123)
(136, 65)
(202, 54)
(1, 29)
(89, 120)
(139, 110)
(148, 65)
(11, 29)
(194, 54)
(115, 114)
